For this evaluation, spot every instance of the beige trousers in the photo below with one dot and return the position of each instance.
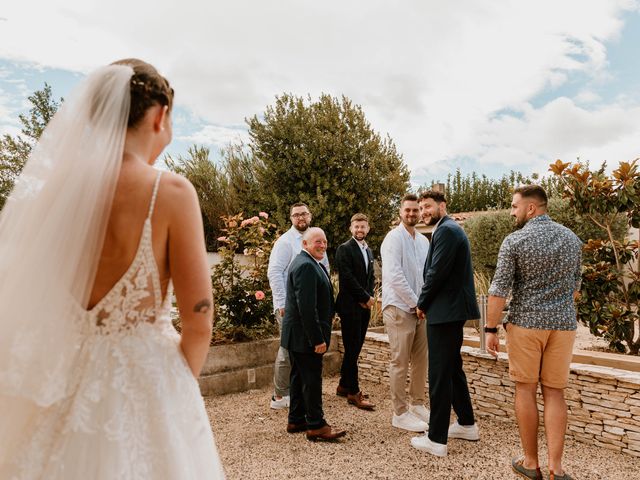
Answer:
(408, 345)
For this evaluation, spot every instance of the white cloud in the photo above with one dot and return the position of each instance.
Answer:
(430, 73)
(561, 129)
(586, 96)
(213, 135)
(8, 115)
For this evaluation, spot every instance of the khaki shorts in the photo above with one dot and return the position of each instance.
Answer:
(540, 355)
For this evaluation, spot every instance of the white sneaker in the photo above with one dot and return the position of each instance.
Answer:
(408, 421)
(426, 445)
(421, 412)
(280, 404)
(465, 432)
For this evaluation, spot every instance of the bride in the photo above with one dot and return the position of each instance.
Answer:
(95, 383)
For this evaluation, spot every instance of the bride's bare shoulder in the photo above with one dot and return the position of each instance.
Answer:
(176, 192)
(174, 184)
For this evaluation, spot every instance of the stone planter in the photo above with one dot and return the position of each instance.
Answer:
(237, 367)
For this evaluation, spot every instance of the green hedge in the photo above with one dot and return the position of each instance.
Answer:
(487, 231)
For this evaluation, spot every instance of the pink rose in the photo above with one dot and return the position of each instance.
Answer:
(254, 220)
(222, 239)
(245, 223)
(259, 295)
(233, 224)
(264, 215)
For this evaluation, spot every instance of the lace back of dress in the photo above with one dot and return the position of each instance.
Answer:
(136, 298)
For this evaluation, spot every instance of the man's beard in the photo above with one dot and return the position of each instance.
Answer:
(518, 224)
(434, 219)
(410, 221)
(360, 236)
(301, 228)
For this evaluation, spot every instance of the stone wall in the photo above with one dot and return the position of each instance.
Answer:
(603, 402)
(237, 367)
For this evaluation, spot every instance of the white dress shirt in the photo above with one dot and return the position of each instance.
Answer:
(403, 259)
(288, 245)
(363, 250)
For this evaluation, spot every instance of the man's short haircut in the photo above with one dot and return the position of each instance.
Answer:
(299, 204)
(409, 197)
(359, 217)
(436, 196)
(310, 232)
(535, 192)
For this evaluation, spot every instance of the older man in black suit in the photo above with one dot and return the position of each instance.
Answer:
(306, 333)
(354, 261)
(448, 299)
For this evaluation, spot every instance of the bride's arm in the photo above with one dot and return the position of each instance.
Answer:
(190, 271)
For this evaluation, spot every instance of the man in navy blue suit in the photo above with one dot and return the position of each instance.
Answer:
(306, 333)
(448, 299)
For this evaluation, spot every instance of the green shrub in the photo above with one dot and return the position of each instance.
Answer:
(561, 211)
(486, 233)
(610, 292)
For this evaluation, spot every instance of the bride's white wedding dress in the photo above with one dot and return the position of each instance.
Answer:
(136, 410)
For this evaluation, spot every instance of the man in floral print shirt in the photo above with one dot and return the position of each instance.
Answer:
(539, 264)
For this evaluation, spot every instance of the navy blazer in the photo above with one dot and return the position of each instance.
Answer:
(448, 294)
(356, 279)
(309, 307)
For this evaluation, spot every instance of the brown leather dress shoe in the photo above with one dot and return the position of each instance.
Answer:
(344, 391)
(325, 434)
(359, 401)
(296, 427)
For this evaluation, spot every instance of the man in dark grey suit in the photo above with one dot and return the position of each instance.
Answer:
(448, 299)
(306, 333)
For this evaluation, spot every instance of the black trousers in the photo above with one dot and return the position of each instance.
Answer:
(354, 326)
(306, 389)
(447, 381)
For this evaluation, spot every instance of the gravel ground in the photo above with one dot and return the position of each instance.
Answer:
(253, 444)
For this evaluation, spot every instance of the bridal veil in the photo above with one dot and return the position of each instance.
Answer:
(51, 234)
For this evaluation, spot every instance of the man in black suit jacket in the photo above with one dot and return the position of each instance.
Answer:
(354, 261)
(306, 333)
(448, 299)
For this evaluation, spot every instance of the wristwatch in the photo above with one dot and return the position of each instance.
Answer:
(490, 329)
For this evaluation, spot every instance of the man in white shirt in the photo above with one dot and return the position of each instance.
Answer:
(285, 249)
(404, 252)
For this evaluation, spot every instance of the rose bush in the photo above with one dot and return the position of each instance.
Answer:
(242, 297)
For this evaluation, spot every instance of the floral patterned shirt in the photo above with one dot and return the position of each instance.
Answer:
(540, 265)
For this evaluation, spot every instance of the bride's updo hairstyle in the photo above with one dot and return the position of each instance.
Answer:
(148, 88)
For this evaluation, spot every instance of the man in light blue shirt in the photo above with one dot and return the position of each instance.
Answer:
(285, 249)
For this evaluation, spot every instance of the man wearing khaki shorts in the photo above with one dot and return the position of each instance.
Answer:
(540, 266)
(404, 251)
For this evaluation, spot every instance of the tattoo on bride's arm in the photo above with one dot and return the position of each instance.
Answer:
(203, 306)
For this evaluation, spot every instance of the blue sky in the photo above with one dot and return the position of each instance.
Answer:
(20, 79)
(481, 86)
